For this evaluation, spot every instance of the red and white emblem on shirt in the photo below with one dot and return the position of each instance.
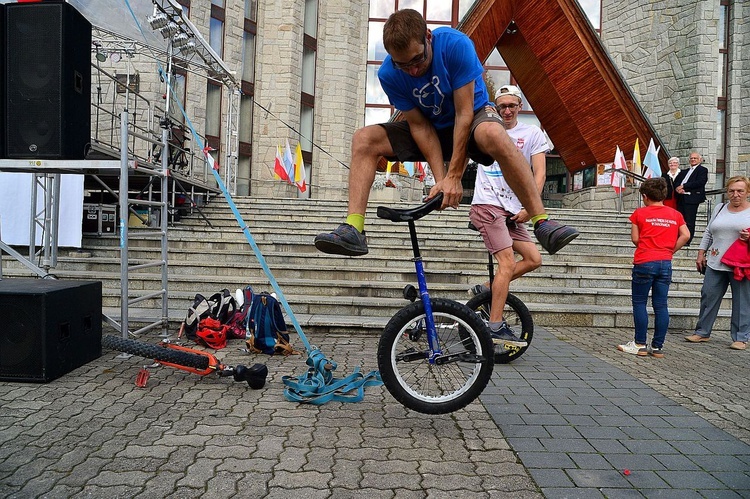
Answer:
(519, 143)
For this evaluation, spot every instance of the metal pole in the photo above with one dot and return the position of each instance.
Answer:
(164, 240)
(32, 222)
(124, 224)
(55, 222)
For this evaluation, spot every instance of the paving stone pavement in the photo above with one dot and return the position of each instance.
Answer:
(564, 420)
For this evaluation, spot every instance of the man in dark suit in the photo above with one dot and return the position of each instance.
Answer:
(690, 186)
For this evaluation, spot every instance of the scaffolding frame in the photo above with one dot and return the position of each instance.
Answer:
(133, 160)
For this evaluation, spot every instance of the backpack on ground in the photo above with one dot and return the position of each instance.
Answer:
(238, 322)
(266, 329)
(220, 306)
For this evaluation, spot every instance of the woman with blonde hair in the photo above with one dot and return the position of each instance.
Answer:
(669, 176)
(730, 221)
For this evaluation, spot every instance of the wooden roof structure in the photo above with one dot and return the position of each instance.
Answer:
(574, 87)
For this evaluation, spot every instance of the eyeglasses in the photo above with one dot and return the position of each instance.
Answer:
(414, 62)
(503, 107)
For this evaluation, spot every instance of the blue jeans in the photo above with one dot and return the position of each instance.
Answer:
(655, 277)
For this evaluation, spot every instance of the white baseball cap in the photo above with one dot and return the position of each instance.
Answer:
(509, 90)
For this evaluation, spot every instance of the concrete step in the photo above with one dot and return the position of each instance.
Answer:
(586, 284)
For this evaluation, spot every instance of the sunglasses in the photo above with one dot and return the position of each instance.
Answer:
(414, 62)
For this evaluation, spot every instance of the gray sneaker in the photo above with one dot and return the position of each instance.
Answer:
(505, 336)
(344, 240)
(553, 236)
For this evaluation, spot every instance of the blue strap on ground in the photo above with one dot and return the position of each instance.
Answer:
(318, 385)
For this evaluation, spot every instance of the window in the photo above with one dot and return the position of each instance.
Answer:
(213, 115)
(436, 12)
(245, 132)
(307, 93)
(178, 86)
(216, 28)
(721, 115)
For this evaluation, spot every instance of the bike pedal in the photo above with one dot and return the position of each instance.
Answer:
(142, 378)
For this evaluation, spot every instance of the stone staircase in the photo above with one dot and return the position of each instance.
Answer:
(587, 284)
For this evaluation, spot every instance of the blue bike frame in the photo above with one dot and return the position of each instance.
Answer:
(432, 338)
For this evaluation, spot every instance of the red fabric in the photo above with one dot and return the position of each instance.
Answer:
(672, 203)
(738, 257)
(658, 228)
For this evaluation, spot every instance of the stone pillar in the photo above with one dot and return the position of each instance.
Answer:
(668, 54)
(340, 92)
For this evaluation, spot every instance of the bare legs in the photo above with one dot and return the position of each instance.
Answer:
(505, 265)
(368, 145)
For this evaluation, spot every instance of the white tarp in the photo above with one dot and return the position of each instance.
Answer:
(115, 16)
(15, 209)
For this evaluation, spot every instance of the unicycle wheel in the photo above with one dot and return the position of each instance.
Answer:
(455, 378)
(515, 314)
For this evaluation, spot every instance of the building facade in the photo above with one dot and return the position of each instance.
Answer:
(305, 71)
(688, 64)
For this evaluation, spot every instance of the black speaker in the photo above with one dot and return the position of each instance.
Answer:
(2, 81)
(50, 327)
(47, 75)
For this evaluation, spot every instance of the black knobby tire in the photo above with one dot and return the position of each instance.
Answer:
(156, 352)
(427, 387)
(516, 314)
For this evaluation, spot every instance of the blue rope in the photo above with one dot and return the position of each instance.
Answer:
(318, 385)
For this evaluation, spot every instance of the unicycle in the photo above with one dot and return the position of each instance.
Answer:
(515, 314)
(435, 355)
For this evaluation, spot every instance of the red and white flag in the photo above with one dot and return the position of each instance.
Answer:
(618, 179)
(279, 171)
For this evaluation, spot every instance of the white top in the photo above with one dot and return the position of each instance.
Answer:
(491, 187)
(723, 230)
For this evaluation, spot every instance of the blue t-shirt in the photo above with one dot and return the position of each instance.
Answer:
(454, 64)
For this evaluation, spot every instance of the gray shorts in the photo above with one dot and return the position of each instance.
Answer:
(497, 231)
(405, 149)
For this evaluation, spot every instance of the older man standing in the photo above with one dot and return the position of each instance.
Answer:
(690, 186)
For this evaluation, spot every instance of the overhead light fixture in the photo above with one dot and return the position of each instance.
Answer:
(169, 30)
(188, 48)
(157, 20)
(100, 56)
(115, 57)
(180, 40)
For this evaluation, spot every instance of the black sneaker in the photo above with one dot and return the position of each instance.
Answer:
(505, 336)
(553, 236)
(477, 289)
(344, 240)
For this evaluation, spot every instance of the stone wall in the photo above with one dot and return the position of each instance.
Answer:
(668, 53)
(602, 198)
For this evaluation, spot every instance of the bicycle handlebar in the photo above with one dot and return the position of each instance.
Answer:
(410, 214)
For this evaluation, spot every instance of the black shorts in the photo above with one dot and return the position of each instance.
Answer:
(405, 149)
